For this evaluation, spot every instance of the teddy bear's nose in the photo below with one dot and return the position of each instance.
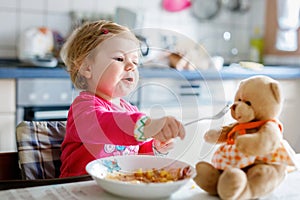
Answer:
(233, 106)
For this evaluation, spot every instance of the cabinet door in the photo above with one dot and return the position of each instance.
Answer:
(7, 115)
(41, 92)
(7, 95)
(7, 133)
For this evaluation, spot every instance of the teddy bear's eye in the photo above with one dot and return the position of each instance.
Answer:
(239, 99)
(248, 103)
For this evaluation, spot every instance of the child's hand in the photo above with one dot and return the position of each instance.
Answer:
(164, 129)
(163, 147)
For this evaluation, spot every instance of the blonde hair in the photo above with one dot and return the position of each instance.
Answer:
(83, 41)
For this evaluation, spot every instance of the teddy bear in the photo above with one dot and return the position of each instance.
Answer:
(252, 157)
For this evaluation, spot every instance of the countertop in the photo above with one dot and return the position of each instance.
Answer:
(276, 72)
(14, 69)
(288, 190)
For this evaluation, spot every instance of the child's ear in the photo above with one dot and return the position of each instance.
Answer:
(85, 70)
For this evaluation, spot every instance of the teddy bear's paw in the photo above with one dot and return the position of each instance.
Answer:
(212, 136)
(246, 145)
(231, 183)
(207, 177)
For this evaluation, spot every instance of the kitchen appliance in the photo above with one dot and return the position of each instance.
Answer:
(129, 17)
(132, 19)
(36, 47)
(204, 10)
(41, 99)
(237, 5)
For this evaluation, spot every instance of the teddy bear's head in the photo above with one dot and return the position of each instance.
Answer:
(257, 98)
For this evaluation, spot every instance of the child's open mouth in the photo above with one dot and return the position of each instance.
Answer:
(128, 79)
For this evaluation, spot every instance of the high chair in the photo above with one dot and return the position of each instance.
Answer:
(37, 160)
(38, 146)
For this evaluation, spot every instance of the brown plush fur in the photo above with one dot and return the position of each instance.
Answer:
(257, 98)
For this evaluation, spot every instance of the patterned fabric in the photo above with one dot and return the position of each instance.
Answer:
(229, 156)
(139, 129)
(39, 148)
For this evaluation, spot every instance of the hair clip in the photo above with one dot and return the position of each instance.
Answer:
(104, 31)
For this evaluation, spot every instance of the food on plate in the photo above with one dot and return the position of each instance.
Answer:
(152, 175)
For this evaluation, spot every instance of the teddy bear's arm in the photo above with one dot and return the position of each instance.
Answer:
(264, 141)
(218, 136)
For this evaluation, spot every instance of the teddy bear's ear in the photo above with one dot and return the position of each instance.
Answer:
(276, 91)
(241, 83)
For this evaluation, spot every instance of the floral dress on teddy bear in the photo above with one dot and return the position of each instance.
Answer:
(227, 155)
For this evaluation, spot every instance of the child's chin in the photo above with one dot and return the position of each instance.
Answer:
(123, 93)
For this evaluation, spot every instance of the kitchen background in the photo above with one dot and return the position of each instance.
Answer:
(228, 34)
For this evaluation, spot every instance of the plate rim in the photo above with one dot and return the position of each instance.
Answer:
(179, 182)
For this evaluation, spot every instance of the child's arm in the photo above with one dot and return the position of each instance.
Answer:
(163, 131)
(104, 127)
(95, 122)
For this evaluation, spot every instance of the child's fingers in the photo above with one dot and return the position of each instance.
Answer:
(172, 129)
(173, 126)
(161, 137)
(167, 128)
(180, 130)
(169, 146)
(167, 132)
(167, 143)
(164, 147)
(176, 128)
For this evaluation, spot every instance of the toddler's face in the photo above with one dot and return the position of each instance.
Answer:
(114, 70)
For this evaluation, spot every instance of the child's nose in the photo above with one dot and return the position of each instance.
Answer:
(129, 66)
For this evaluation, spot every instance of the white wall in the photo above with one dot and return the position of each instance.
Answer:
(17, 15)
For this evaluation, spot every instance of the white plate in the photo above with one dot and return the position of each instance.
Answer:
(98, 169)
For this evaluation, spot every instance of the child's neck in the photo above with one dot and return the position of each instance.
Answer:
(117, 102)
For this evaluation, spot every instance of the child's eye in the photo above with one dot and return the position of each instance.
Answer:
(120, 59)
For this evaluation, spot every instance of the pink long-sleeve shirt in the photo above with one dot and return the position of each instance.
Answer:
(96, 128)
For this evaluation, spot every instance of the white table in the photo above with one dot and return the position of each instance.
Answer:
(289, 189)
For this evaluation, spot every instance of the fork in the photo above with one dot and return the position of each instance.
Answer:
(216, 116)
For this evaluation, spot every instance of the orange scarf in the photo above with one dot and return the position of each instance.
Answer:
(242, 127)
